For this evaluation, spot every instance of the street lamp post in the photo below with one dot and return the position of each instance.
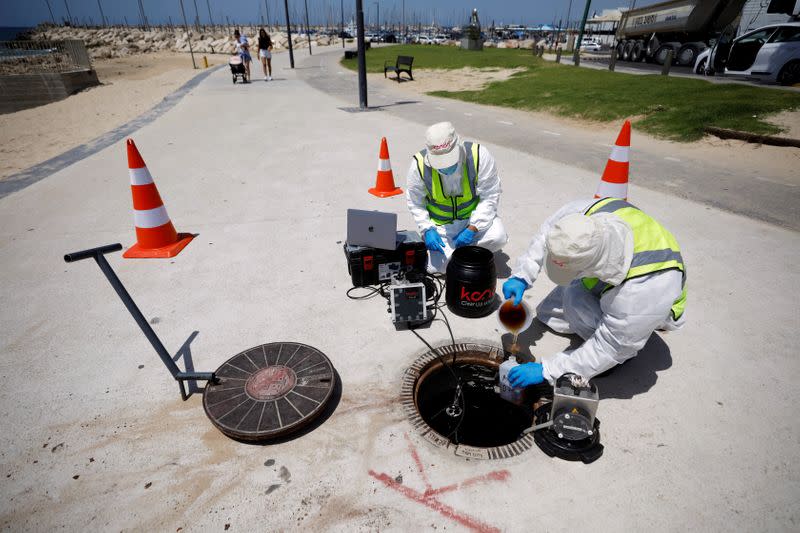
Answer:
(362, 60)
(308, 29)
(580, 32)
(289, 33)
(188, 35)
(341, 32)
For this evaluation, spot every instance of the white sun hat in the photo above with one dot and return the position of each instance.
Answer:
(589, 246)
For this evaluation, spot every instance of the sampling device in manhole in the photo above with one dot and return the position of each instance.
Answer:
(450, 394)
(450, 397)
(269, 391)
(568, 428)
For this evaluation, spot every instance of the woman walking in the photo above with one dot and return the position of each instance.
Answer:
(265, 53)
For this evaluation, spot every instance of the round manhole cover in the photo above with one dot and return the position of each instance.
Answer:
(269, 391)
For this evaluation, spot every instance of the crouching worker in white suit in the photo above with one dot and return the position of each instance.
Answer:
(620, 275)
(453, 191)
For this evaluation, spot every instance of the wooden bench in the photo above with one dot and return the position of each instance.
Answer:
(403, 64)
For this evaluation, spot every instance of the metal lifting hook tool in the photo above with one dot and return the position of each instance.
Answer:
(98, 255)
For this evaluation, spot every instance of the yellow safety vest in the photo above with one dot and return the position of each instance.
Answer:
(654, 248)
(445, 209)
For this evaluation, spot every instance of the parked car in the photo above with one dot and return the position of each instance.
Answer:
(590, 45)
(770, 53)
(425, 39)
(439, 39)
(701, 65)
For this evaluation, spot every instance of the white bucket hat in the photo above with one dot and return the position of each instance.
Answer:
(598, 246)
(443, 146)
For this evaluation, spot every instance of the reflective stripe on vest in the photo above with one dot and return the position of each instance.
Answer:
(445, 209)
(654, 249)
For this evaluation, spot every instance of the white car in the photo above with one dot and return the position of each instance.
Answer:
(439, 39)
(424, 39)
(590, 45)
(701, 65)
(770, 53)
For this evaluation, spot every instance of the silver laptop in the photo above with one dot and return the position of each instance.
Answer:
(371, 228)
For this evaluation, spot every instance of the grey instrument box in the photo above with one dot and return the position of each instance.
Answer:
(407, 302)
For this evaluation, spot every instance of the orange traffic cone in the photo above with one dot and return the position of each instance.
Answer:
(614, 182)
(384, 183)
(155, 234)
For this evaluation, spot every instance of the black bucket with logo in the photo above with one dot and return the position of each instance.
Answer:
(471, 282)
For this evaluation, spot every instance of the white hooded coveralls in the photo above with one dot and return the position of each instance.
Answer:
(491, 233)
(615, 326)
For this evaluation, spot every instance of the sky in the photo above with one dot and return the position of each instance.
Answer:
(448, 12)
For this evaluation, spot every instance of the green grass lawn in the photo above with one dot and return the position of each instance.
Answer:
(666, 107)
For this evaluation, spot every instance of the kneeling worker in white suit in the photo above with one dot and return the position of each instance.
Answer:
(453, 191)
(620, 275)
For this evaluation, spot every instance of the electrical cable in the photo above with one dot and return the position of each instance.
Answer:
(434, 289)
(373, 290)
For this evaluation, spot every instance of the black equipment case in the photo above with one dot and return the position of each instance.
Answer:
(371, 266)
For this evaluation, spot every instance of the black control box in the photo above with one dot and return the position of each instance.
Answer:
(371, 266)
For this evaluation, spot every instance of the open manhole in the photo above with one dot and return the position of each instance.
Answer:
(269, 391)
(478, 423)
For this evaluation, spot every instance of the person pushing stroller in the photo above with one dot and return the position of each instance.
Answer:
(243, 49)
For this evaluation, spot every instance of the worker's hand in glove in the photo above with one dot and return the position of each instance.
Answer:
(465, 238)
(514, 287)
(525, 375)
(433, 241)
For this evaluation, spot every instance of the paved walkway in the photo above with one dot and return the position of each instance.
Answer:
(667, 167)
(698, 429)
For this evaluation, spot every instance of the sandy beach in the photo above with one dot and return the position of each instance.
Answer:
(129, 87)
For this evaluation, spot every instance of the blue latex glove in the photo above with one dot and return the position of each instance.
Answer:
(514, 287)
(433, 241)
(464, 238)
(525, 375)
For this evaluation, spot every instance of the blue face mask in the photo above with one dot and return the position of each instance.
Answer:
(449, 170)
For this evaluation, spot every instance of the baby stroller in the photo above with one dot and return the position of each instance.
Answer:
(237, 69)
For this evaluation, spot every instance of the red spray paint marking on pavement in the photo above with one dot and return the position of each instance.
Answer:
(418, 462)
(497, 475)
(428, 498)
(433, 503)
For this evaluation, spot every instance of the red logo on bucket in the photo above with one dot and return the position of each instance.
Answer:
(476, 296)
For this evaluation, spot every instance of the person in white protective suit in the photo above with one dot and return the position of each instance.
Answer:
(620, 276)
(453, 190)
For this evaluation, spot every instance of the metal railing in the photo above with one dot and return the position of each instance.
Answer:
(34, 57)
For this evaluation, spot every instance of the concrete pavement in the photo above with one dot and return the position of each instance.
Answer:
(699, 429)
